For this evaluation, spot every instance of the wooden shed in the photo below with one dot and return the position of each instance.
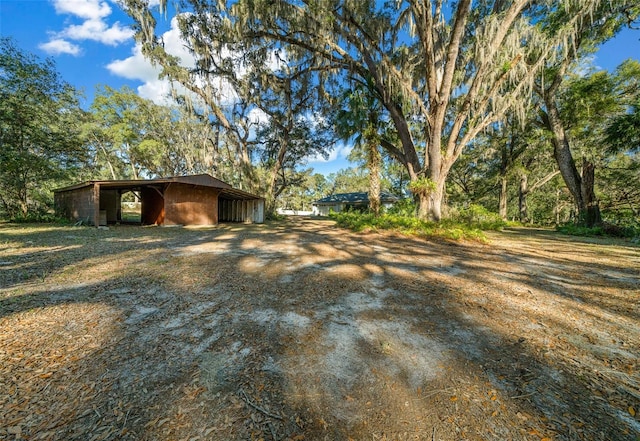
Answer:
(181, 200)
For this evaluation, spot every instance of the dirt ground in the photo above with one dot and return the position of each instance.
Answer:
(299, 330)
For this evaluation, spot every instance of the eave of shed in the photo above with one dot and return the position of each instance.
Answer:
(133, 184)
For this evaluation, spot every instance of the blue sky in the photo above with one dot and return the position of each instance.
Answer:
(92, 44)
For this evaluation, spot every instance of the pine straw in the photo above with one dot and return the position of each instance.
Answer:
(297, 330)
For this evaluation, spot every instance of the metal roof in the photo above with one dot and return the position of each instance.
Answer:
(355, 198)
(203, 180)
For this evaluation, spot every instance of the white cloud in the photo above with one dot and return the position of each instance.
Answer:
(94, 26)
(258, 116)
(158, 91)
(97, 30)
(135, 67)
(59, 46)
(87, 9)
(339, 151)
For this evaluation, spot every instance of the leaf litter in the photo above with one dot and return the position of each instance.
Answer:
(299, 330)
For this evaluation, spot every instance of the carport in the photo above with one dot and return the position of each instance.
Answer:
(181, 200)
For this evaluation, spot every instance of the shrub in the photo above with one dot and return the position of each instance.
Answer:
(405, 207)
(36, 217)
(479, 217)
(408, 225)
(606, 229)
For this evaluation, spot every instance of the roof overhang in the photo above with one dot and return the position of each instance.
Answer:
(226, 191)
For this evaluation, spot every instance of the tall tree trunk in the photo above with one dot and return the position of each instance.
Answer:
(422, 200)
(502, 204)
(373, 162)
(523, 191)
(564, 158)
(591, 215)
(436, 197)
(374, 178)
(557, 207)
(273, 178)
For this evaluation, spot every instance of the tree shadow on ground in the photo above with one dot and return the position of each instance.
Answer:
(298, 329)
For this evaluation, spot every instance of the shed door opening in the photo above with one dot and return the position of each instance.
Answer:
(130, 208)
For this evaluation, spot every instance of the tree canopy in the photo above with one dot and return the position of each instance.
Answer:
(453, 103)
(443, 72)
(40, 138)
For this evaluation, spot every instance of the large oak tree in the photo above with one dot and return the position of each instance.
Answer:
(444, 72)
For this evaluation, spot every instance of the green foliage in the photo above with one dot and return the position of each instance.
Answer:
(477, 216)
(131, 137)
(40, 217)
(349, 180)
(40, 140)
(422, 185)
(409, 225)
(404, 207)
(606, 230)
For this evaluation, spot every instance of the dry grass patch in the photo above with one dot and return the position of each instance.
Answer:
(300, 330)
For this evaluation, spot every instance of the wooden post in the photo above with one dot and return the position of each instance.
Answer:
(96, 205)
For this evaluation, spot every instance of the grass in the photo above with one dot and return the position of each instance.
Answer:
(604, 230)
(467, 224)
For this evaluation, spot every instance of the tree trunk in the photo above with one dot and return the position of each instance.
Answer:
(374, 178)
(422, 200)
(435, 197)
(564, 158)
(503, 197)
(557, 207)
(523, 191)
(273, 178)
(591, 215)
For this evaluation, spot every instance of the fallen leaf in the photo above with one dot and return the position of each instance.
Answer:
(632, 411)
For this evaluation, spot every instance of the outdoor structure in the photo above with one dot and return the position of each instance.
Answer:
(181, 200)
(349, 201)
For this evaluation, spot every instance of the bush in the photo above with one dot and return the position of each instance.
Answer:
(606, 229)
(577, 230)
(408, 225)
(404, 207)
(478, 217)
(46, 218)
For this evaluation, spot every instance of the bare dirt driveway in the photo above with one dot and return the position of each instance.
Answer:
(299, 330)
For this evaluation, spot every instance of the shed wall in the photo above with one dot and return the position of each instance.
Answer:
(76, 204)
(152, 210)
(242, 210)
(189, 205)
(110, 201)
